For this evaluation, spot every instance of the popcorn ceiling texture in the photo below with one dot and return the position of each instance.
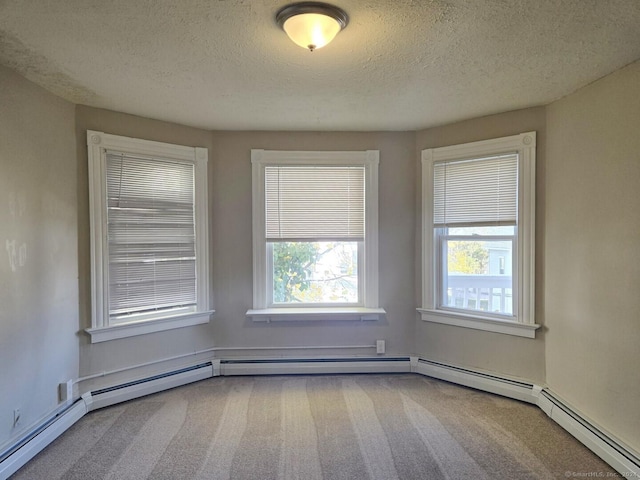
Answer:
(399, 65)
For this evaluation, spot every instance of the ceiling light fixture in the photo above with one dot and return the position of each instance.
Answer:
(311, 24)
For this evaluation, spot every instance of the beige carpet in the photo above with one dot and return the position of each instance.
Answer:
(385, 427)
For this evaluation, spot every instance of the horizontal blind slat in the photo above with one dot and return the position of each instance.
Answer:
(314, 202)
(477, 191)
(151, 234)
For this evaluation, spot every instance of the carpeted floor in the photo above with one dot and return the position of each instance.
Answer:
(385, 427)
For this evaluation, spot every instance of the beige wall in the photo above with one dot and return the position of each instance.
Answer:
(230, 192)
(38, 251)
(588, 261)
(231, 255)
(494, 352)
(592, 242)
(116, 354)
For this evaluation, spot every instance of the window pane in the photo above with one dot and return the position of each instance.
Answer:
(315, 272)
(477, 275)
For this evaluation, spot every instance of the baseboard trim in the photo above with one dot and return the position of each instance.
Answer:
(46, 432)
(35, 441)
(526, 392)
(612, 451)
(619, 456)
(43, 434)
(315, 366)
(105, 397)
(622, 458)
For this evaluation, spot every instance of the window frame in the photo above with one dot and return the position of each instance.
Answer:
(98, 143)
(367, 308)
(523, 321)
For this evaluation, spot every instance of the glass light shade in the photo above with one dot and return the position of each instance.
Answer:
(311, 30)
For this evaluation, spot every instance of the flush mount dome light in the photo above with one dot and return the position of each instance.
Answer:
(311, 24)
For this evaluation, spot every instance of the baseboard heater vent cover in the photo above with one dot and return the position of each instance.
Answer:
(33, 442)
(526, 392)
(620, 457)
(146, 386)
(315, 365)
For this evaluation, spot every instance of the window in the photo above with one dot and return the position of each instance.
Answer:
(478, 235)
(315, 235)
(148, 204)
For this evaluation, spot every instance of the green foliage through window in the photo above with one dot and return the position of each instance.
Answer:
(292, 268)
(315, 272)
(467, 257)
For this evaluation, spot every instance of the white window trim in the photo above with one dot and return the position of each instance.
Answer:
(97, 144)
(369, 309)
(524, 325)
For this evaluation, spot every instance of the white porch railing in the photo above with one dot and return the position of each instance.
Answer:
(489, 293)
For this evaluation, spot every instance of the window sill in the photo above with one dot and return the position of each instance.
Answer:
(114, 332)
(314, 314)
(506, 327)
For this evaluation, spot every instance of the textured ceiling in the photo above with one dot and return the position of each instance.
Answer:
(399, 65)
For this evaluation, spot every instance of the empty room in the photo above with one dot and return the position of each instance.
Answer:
(350, 240)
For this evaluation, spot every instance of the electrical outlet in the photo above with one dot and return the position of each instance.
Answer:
(380, 346)
(16, 417)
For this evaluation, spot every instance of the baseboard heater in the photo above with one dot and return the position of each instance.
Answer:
(609, 449)
(315, 365)
(139, 388)
(527, 392)
(620, 457)
(34, 441)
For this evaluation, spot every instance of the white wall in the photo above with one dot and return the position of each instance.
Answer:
(38, 251)
(592, 243)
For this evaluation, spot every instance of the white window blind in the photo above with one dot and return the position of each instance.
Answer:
(481, 191)
(314, 203)
(151, 235)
